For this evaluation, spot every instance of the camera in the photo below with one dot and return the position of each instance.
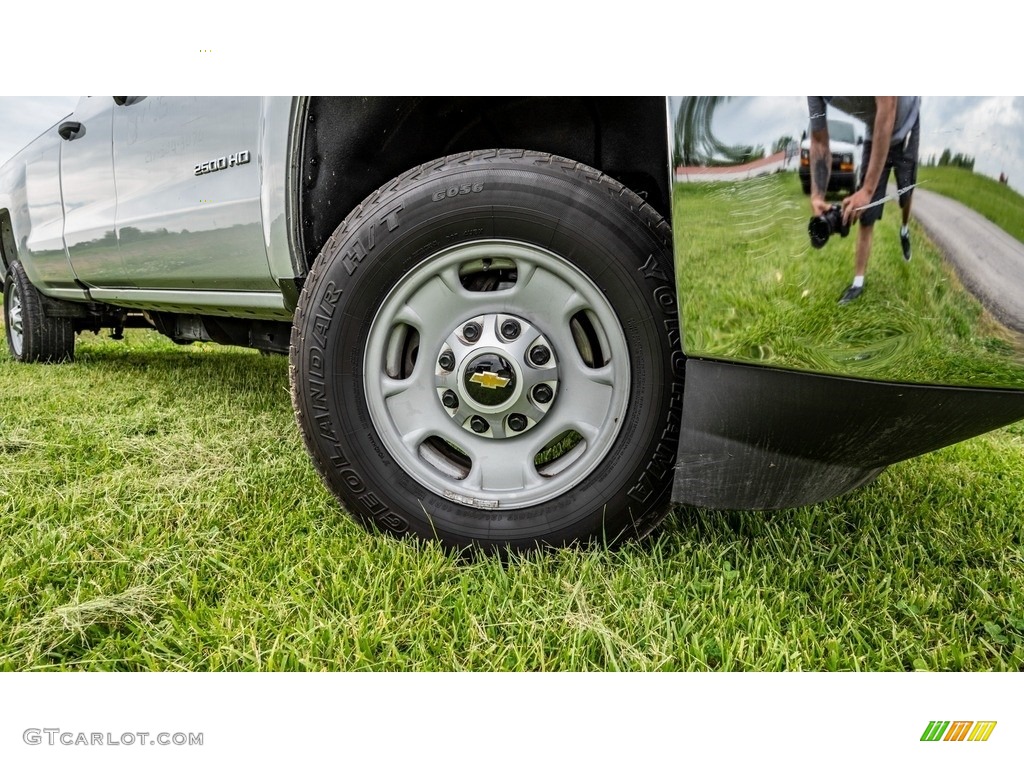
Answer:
(821, 228)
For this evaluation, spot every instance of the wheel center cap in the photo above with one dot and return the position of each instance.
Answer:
(490, 379)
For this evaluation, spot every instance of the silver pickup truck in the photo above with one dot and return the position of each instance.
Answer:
(479, 301)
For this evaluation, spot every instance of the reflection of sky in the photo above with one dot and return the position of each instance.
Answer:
(991, 129)
(23, 118)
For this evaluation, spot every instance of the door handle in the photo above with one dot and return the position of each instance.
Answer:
(71, 130)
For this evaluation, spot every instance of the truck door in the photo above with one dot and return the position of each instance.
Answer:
(88, 195)
(188, 193)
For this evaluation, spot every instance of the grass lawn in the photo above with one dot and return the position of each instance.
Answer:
(996, 202)
(752, 288)
(158, 511)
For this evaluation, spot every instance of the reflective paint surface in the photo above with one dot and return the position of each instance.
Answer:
(88, 193)
(117, 206)
(753, 289)
(177, 230)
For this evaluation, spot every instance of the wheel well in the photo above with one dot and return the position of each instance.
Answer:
(351, 146)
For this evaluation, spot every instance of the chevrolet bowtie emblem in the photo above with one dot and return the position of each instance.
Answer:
(489, 379)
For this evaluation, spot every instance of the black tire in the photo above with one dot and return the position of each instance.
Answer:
(32, 337)
(549, 230)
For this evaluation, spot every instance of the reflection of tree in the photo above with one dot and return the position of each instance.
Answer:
(959, 160)
(781, 143)
(127, 235)
(695, 141)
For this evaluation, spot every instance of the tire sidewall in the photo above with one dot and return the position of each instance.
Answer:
(506, 201)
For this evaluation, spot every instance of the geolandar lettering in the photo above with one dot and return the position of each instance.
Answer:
(463, 189)
(221, 163)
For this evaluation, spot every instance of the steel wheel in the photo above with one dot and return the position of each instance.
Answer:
(15, 327)
(502, 374)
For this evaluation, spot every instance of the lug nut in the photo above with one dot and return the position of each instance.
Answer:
(478, 425)
(540, 355)
(542, 393)
(471, 331)
(510, 329)
(446, 360)
(450, 399)
(517, 422)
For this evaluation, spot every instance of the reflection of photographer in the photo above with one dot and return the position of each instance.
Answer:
(893, 122)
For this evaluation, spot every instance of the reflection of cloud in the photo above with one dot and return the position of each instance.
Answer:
(761, 119)
(989, 128)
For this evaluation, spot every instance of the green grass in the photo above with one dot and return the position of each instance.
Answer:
(996, 202)
(753, 289)
(158, 511)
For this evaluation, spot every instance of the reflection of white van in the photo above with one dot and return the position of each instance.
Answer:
(846, 154)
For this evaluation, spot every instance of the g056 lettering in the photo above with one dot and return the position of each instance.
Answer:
(465, 189)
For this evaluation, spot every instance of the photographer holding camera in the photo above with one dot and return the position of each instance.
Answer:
(893, 135)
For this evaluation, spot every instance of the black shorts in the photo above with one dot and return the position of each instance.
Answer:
(902, 159)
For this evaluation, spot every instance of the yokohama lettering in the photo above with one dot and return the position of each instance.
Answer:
(665, 452)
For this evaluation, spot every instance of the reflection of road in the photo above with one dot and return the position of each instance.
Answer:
(765, 165)
(989, 261)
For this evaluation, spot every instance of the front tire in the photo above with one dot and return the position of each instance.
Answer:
(32, 337)
(487, 352)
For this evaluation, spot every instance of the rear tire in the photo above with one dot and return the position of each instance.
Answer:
(416, 374)
(32, 337)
